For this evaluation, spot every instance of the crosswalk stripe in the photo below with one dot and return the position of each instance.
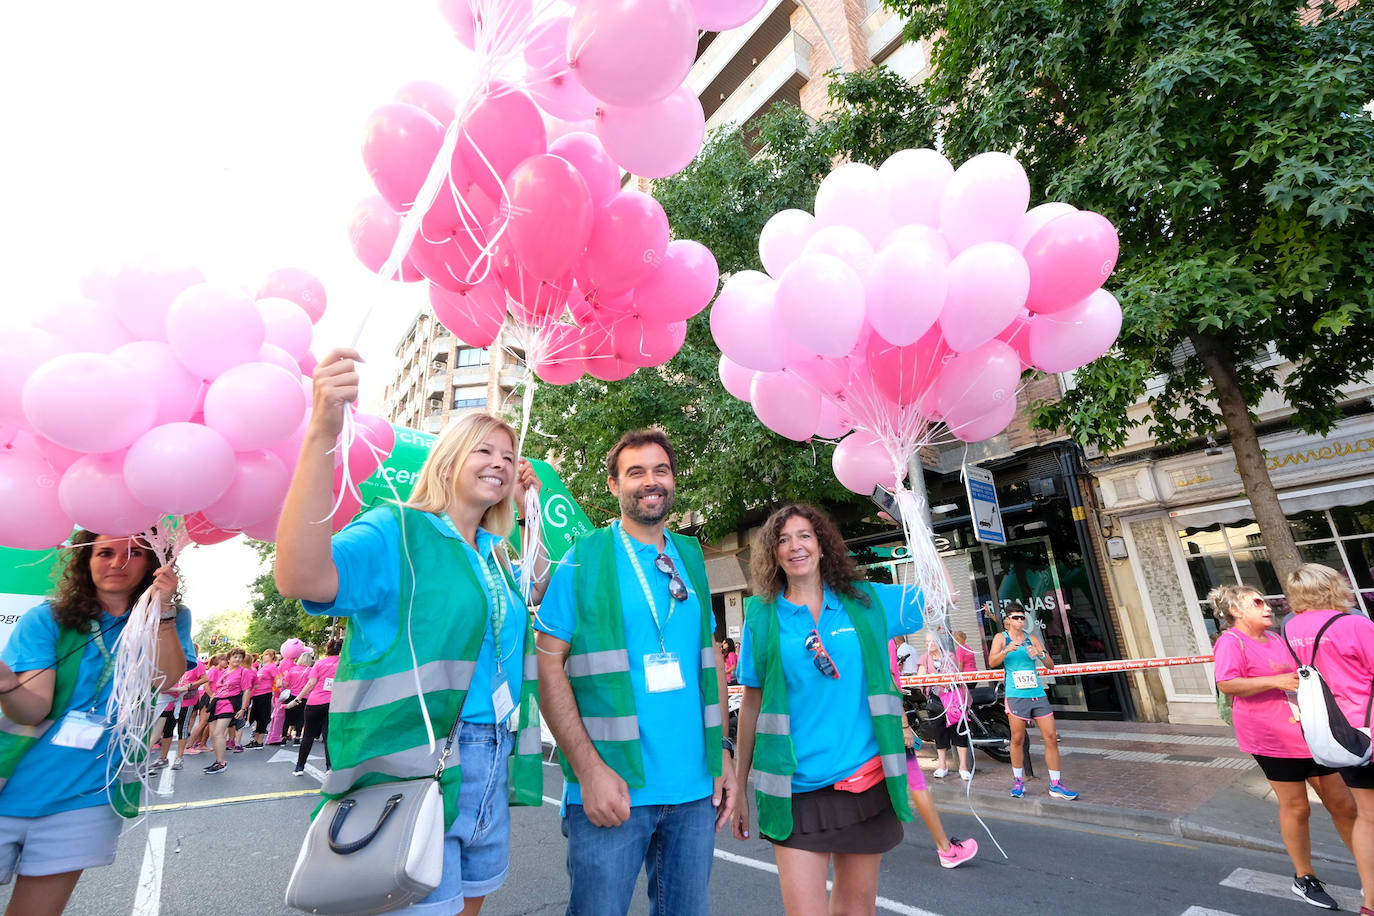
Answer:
(891, 906)
(1258, 882)
(148, 898)
(1203, 911)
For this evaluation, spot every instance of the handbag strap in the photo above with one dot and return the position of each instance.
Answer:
(448, 745)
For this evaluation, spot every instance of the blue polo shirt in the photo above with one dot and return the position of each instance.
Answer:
(670, 731)
(832, 728)
(367, 554)
(50, 778)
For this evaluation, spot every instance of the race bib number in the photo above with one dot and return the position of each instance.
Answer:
(79, 730)
(1024, 680)
(329, 684)
(663, 672)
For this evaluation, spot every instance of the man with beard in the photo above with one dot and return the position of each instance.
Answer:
(629, 685)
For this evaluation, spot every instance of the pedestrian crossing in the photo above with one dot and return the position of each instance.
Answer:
(1271, 885)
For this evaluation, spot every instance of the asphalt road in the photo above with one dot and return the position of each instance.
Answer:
(226, 843)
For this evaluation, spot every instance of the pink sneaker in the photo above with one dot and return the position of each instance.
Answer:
(960, 851)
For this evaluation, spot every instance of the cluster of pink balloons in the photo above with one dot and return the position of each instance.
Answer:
(914, 296)
(157, 394)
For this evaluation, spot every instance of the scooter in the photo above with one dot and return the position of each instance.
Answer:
(988, 728)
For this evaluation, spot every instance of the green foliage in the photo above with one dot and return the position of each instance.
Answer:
(1231, 146)
(275, 619)
(730, 465)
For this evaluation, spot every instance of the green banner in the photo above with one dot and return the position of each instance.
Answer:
(27, 572)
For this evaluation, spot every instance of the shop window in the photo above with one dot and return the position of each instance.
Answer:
(1308, 526)
(1254, 567)
(1354, 520)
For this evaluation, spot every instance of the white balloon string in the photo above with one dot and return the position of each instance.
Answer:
(533, 536)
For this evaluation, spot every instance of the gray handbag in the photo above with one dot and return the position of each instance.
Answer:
(375, 850)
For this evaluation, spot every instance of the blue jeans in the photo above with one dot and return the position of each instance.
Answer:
(674, 843)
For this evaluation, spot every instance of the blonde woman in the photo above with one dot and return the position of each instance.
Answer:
(1320, 598)
(1254, 668)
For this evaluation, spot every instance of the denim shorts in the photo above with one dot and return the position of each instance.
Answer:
(477, 846)
(57, 843)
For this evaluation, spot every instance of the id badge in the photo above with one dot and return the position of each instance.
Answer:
(1024, 680)
(501, 701)
(663, 672)
(80, 730)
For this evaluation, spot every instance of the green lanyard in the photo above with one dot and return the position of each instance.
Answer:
(107, 669)
(496, 594)
(648, 592)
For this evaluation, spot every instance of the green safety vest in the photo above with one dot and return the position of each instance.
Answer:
(599, 662)
(376, 729)
(775, 756)
(17, 740)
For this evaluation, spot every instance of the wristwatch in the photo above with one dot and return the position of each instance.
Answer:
(728, 744)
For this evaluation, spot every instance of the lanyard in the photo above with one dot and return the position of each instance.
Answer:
(648, 592)
(496, 595)
(107, 668)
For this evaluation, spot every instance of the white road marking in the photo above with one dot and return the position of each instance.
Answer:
(290, 757)
(148, 900)
(314, 772)
(167, 781)
(891, 906)
(1203, 911)
(1281, 886)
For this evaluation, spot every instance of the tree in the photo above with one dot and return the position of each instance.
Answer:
(731, 466)
(1231, 146)
(275, 619)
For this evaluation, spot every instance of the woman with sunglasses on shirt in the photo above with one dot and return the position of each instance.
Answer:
(1018, 654)
(820, 721)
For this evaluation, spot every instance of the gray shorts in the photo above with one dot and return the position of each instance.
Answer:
(1029, 708)
(58, 843)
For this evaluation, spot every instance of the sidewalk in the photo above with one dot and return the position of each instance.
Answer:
(1185, 781)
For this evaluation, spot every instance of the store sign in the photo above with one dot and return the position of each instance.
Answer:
(982, 501)
(26, 576)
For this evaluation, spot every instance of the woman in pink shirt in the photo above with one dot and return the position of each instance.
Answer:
(316, 695)
(1345, 658)
(293, 684)
(229, 699)
(1255, 669)
(936, 660)
(260, 704)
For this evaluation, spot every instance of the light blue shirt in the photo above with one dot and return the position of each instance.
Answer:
(832, 728)
(670, 729)
(49, 778)
(368, 555)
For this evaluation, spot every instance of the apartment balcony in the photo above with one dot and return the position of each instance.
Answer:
(728, 58)
(439, 349)
(779, 76)
(437, 385)
(434, 422)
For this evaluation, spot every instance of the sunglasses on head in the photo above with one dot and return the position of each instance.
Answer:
(820, 657)
(676, 587)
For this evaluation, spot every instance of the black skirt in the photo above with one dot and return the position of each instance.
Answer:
(833, 821)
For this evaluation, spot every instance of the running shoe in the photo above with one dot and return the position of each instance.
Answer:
(238, 749)
(960, 851)
(1059, 790)
(176, 764)
(254, 745)
(941, 773)
(1310, 889)
(965, 775)
(214, 768)
(298, 772)
(1018, 787)
(157, 764)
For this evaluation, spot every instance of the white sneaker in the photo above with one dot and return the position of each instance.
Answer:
(940, 773)
(965, 775)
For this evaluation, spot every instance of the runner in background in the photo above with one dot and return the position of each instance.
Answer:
(186, 693)
(260, 710)
(200, 734)
(936, 660)
(315, 696)
(232, 690)
(295, 686)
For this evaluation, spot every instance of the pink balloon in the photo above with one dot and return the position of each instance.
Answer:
(682, 286)
(531, 301)
(736, 378)
(375, 440)
(1017, 335)
(503, 130)
(973, 382)
(588, 156)
(853, 195)
(629, 240)
(915, 181)
(906, 287)
(266, 530)
(372, 231)
(598, 307)
(559, 355)
(175, 390)
(834, 423)
(255, 493)
(550, 215)
(431, 98)
(22, 351)
(1036, 219)
(906, 375)
(977, 427)
(141, 292)
(57, 456)
(654, 140)
(460, 257)
(399, 146)
(94, 496)
(720, 15)
(300, 287)
(271, 353)
(987, 288)
(786, 404)
(306, 364)
(178, 468)
(59, 402)
(1069, 257)
(286, 325)
(820, 304)
(783, 238)
(204, 533)
(212, 328)
(254, 405)
(744, 322)
(288, 450)
(984, 201)
(845, 243)
(548, 77)
(632, 52)
(1071, 338)
(861, 462)
(478, 24)
(650, 343)
(85, 326)
(833, 377)
(599, 357)
(33, 518)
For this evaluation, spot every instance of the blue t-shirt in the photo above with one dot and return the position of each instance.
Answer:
(832, 728)
(367, 554)
(670, 730)
(49, 778)
(1016, 662)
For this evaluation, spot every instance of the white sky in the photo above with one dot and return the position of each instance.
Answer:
(223, 135)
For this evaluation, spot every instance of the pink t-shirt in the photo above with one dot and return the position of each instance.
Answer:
(323, 673)
(1345, 657)
(265, 677)
(296, 678)
(214, 674)
(190, 677)
(1266, 723)
(233, 681)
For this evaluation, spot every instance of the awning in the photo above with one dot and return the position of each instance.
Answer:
(1347, 493)
(726, 574)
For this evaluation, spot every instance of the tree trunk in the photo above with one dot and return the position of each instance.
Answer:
(1250, 464)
